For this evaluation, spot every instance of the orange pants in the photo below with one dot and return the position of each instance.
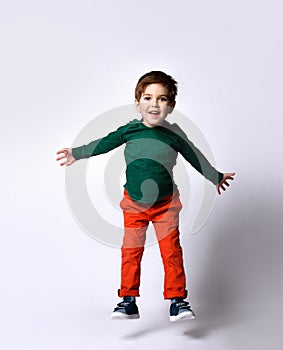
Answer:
(164, 215)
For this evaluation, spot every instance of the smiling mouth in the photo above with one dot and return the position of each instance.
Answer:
(154, 113)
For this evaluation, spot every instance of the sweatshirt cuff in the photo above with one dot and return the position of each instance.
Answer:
(216, 177)
(77, 153)
(220, 177)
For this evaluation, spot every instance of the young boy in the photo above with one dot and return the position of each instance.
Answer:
(150, 194)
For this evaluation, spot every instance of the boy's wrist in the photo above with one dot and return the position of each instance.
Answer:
(76, 153)
(220, 177)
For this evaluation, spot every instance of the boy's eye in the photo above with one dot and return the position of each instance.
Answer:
(162, 99)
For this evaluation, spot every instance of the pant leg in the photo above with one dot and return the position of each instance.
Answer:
(135, 226)
(165, 219)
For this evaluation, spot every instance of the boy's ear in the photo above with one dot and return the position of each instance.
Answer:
(137, 105)
(172, 105)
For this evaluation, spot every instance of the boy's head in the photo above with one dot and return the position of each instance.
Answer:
(157, 77)
(155, 97)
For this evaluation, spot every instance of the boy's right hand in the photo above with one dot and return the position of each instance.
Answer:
(224, 182)
(66, 154)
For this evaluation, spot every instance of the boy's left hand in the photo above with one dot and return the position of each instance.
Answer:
(224, 182)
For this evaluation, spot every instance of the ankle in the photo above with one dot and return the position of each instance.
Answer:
(175, 300)
(129, 298)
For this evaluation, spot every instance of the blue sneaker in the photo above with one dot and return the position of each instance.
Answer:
(126, 310)
(180, 310)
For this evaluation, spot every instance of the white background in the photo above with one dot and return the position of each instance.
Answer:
(65, 62)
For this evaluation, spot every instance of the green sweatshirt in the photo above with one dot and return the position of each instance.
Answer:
(150, 155)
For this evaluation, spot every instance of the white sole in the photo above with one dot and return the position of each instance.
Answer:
(186, 315)
(121, 316)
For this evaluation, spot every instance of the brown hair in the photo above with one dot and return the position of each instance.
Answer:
(157, 77)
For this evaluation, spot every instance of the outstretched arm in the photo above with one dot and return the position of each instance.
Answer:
(224, 182)
(66, 155)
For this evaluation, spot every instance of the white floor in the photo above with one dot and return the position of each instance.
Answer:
(89, 327)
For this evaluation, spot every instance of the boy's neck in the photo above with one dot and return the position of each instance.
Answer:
(153, 126)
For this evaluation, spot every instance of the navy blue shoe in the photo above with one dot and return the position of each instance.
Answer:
(126, 310)
(180, 310)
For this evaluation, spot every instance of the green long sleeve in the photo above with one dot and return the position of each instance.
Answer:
(150, 155)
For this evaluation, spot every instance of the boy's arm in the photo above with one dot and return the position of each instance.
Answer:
(194, 156)
(100, 146)
(103, 145)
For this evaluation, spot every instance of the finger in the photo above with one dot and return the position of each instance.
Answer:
(62, 150)
(59, 158)
(229, 178)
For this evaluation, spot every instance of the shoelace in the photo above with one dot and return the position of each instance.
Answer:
(183, 305)
(123, 304)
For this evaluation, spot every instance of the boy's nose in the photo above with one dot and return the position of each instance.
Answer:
(154, 102)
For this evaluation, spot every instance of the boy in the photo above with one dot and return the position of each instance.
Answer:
(150, 194)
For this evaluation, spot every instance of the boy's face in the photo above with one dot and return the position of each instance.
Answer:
(154, 105)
